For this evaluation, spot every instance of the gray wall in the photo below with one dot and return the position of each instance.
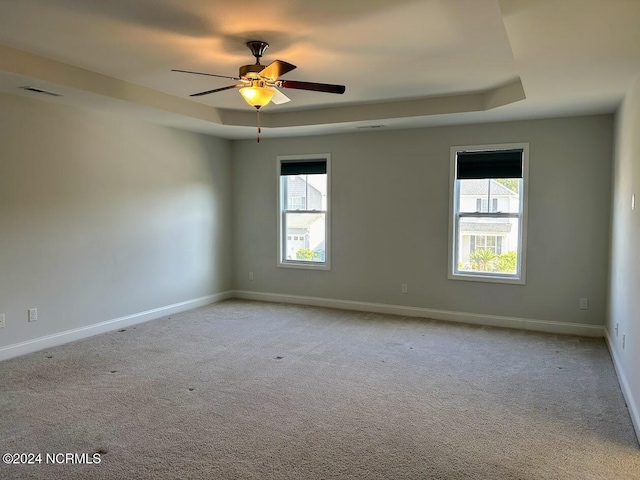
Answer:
(102, 218)
(390, 194)
(624, 285)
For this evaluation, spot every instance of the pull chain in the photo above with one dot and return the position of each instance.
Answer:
(259, 129)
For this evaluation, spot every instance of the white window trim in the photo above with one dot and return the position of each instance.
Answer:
(453, 234)
(326, 265)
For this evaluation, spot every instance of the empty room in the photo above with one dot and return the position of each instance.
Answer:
(320, 240)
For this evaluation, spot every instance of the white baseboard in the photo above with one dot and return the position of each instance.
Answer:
(474, 318)
(632, 405)
(49, 341)
(56, 339)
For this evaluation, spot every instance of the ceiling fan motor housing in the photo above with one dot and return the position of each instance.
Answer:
(250, 70)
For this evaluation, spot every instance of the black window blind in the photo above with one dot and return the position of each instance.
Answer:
(489, 164)
(306, 167)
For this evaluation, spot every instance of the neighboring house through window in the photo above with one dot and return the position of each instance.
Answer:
(482, 205)
(296, 203)
(488, 213)
(303, 220)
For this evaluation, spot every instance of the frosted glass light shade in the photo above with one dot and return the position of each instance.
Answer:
(257, 96)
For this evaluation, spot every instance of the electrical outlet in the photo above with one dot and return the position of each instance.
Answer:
(633, 201)
(2, 323)
(404, 288)
(251, 276)
(623, 340)
(584, 304)
(616, 329)
(33, 314)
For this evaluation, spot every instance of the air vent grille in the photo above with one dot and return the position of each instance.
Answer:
(39, 90)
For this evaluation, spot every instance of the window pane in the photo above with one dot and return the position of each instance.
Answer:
(488, 245)
(305, 192)
(490, 195)
(305, 233)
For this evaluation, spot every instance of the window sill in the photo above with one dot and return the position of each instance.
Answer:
(487, 278)
(304, 265)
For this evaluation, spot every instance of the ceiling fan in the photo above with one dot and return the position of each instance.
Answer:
(259, 84)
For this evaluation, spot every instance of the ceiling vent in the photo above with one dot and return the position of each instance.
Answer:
(39, 90)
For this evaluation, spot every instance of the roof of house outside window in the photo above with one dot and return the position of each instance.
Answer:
(484, 228)
(480, 188)
(301, 221)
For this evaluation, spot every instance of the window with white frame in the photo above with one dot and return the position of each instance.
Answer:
(303, 215)
(488, 213)
(296, 203)
(486, 242)
(482, 205)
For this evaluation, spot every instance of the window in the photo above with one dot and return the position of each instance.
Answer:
(482, 205)
(296, 203)
(303, 218)
(488, 207)
(485, 242)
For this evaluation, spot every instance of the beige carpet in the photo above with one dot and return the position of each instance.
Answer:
(249, 390)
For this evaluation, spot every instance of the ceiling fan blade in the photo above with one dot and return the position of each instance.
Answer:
(207, 74)
(316, 87)
(214, 90)
(279, 98)
(276, 69)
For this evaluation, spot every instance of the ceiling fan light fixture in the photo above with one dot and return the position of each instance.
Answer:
(257, 81)
(257, 96)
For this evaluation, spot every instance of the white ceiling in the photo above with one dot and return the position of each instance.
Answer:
(405, 63)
